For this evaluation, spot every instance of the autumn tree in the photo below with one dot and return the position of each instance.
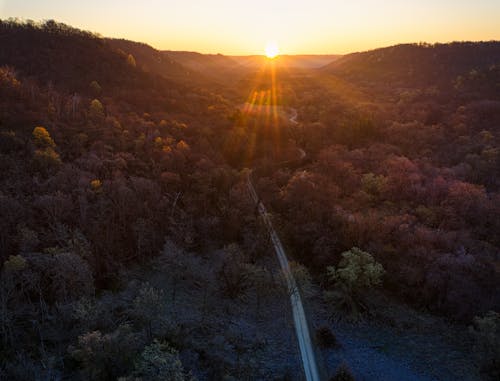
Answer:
(95, 88)
(131, 60)
(42, 139)
(96, 111)
(45, 156)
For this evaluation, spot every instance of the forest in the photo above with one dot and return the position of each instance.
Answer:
(123, 170)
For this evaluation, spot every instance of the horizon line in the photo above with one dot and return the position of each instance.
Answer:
(203, 52)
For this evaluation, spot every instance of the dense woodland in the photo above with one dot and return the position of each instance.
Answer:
(109, 148)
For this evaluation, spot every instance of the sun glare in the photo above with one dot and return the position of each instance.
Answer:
(272, 49)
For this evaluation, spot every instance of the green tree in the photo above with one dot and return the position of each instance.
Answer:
(356, 273)
(14, 263)
(160, 362)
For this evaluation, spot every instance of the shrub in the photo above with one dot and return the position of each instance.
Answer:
(326, 338)
(343, 373)
(486, 331)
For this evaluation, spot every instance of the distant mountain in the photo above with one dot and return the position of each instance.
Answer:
(307, 61)
(214, 66)
(417, 64)
(224, 68)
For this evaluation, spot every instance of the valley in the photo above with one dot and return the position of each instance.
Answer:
(172, 215)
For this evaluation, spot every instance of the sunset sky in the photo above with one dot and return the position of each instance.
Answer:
(245, 27)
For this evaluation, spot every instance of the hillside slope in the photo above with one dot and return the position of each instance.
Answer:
(419, 65)
(154, 61)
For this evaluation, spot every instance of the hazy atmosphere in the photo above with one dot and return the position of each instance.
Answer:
(244, 27)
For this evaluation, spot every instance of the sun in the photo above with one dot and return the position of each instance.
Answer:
(272, 49)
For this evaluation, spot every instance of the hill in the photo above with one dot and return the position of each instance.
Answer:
(73, 61)
(154, 61)
(419, 65)
(218, 67)
(67, 57)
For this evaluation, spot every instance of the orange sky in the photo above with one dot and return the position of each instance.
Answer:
(245, 27)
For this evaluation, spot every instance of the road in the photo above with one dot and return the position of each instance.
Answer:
(293, 119)
(294, 116)
(299, 316)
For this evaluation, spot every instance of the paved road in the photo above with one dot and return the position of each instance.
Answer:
(299, 316)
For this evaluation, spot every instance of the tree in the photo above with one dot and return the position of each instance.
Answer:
(302, 278)
(42, 139)
(46, 160)
(149, 307)
(131, 60)
(356, 272)
(486, 331)
(343, 373)
(146, 237)
(28, 239)
(261, 283)
(61, 277)
(96, 111)
(160, 362)
(108, 356)
(233, 277)
(14, 263)
(45, 157)
(95, 88)
(374, 184)
(10, 142)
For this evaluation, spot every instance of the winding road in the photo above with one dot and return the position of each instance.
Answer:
(299, 316)
(293, 120)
